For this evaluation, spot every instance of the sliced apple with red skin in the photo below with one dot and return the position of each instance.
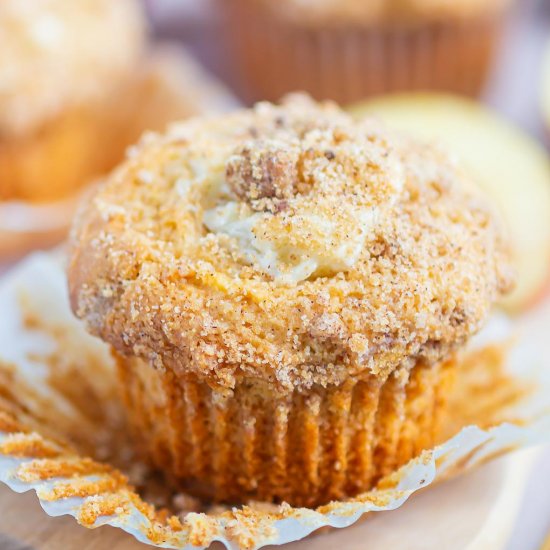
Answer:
(512, 168)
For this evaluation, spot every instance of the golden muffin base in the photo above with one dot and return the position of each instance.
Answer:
(348, 63)
(304, 448)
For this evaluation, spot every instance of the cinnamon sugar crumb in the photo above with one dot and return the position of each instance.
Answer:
(385, 235)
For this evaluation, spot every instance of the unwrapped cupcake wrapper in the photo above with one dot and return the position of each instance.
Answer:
(304, 448)
(347, 63)
(58, 407)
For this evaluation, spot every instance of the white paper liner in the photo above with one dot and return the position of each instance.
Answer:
(17, 216)
(38, 286)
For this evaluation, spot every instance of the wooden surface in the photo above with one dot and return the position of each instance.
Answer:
(476, 512)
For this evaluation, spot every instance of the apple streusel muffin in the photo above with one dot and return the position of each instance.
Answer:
(286, 290)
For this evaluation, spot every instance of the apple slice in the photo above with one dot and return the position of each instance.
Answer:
(511, 167)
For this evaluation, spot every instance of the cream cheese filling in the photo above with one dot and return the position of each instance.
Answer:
(293, 248)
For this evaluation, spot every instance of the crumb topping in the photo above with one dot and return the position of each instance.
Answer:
(58, 52)
(292, 178)
(288, 243)
(264, 174)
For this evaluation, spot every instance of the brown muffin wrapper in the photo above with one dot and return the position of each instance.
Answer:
(349, 63)
(304, 448)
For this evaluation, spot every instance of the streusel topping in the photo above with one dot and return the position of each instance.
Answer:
(59, 53)
(289, 243)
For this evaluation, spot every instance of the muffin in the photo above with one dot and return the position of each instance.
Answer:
(345, 50)
(60, 62)
(286, 291)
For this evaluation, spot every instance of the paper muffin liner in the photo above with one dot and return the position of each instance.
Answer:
(62, 429)
(24, 226)
(305, 448)
(347, 63)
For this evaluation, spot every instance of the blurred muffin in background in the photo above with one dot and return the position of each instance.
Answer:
(348, 49)
(285, 289)
(78, 84)
(60, 63)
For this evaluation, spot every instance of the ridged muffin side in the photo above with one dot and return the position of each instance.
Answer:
(304, 448)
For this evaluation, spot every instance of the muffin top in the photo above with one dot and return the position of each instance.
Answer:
(288, 243)
(375, 11)
(59, 53)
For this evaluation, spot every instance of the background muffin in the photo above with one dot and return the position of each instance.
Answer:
(60, 62)
(346, 50)
(78, 85)
(286, 290)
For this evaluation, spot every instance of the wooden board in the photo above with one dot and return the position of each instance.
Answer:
(475, 512)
